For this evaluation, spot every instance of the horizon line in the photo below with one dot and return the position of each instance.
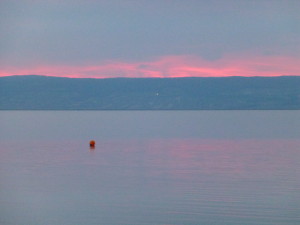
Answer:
(161, 77)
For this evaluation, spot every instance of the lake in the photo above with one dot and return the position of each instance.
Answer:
(150, 167)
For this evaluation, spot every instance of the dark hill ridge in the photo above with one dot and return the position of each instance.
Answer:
(54, 93)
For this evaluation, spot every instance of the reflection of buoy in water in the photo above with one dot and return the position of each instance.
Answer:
(92, 143)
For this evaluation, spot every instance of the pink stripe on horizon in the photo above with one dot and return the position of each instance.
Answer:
(172, 66)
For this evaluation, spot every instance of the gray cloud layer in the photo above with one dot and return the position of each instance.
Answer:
(77, 32)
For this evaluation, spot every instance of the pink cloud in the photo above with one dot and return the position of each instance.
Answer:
(173, 66)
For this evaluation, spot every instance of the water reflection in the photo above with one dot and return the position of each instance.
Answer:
(151, 181)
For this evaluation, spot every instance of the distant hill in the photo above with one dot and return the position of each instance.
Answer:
(54, 93)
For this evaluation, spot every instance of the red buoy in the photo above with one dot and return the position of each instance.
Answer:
(92, 143)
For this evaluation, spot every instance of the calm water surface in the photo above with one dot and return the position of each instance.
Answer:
(150, 167)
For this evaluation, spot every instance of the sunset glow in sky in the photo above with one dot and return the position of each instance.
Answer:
(159, 38)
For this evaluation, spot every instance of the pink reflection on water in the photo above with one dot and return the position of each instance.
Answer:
(187, 158)
(180, 158)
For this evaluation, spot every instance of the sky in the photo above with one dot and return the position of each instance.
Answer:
(142, 38)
